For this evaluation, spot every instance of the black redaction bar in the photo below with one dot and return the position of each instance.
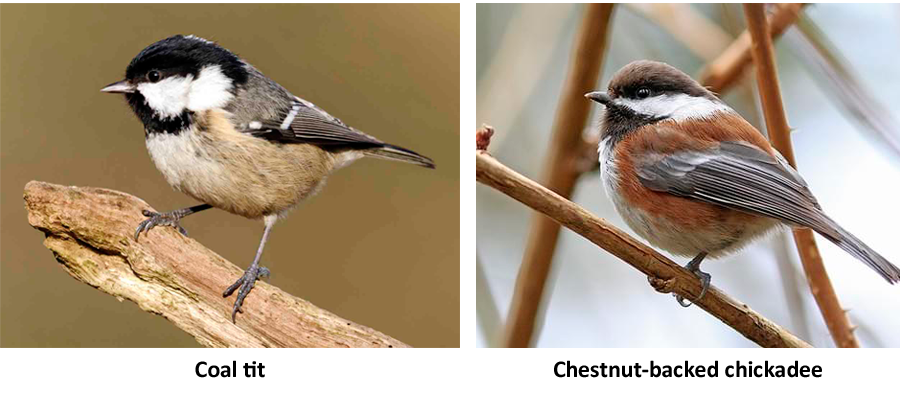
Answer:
(229, 369)
(643, 369)
(779, 369)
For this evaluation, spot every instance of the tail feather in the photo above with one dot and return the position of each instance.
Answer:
(849, 243)
(397, 153)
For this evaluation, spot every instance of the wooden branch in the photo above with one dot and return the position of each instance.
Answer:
(729, 67)
(780, 135)
(91, 233)
(664, 274)
(559, 172)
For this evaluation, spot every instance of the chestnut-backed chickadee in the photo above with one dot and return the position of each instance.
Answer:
(230, 137)
(691, 176)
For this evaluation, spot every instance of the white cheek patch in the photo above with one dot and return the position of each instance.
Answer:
(677, 107)
(211, 90)
(168, 97)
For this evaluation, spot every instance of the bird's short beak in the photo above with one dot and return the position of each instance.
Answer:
(599, 97)
(121, 87)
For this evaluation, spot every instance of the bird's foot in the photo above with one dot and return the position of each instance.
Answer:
(160, 219)
(704, 280)
(245, 283)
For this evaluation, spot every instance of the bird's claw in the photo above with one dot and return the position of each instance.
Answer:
(158, 219)
(705, 279)
(245, 283)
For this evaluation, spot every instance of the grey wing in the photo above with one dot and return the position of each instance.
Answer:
(740, 176)
(304, 122)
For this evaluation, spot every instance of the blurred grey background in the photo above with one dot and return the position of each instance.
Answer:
(593, 299)
(379, 245)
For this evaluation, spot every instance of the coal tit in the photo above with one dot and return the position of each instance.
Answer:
(230, 137)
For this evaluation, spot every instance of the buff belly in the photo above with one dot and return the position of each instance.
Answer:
(238, 173)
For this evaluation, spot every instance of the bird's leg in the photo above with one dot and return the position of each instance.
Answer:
(252, 273)
(694, 267)
(167, 219)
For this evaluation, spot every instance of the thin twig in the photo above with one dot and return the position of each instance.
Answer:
(780, 135)
(664, 274)
(560, 171)
(91, 233)
(726, 70)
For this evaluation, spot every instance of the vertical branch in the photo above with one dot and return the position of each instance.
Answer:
(726, 70)
(560, 171)
(779, 133)
(527, 40)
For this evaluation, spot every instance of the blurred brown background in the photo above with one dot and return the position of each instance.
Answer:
(379, 245)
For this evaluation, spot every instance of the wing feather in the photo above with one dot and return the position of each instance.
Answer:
(304, 122)
(740, 176)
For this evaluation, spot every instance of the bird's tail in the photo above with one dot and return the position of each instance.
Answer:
(399, 154)
(843, 239)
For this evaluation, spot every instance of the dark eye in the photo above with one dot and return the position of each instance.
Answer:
(153, 76)
(642, 93)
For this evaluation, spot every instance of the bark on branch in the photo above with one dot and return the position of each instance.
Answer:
(728, 68)
(780, 135)
(560, 171)
(664, 274)
(90, 232)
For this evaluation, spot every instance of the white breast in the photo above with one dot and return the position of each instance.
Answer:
(181, 160)
(609, 172)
